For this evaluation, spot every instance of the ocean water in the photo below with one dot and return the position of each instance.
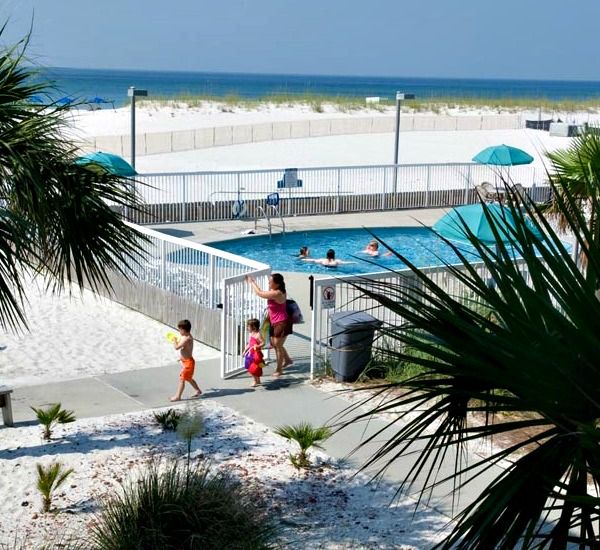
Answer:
(113, 84)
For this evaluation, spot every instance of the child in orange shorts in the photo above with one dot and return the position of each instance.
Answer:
(185, 345)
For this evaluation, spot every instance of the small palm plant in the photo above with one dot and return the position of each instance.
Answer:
(188, 427)
(169, 419)
(51, 416)
(306, 436)
(50, 479)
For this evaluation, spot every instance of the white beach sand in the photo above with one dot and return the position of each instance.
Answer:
(352, 150)
(82, 335)
(362, 149)
(325, 507)
(155, 117)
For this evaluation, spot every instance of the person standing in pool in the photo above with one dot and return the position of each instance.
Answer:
(281, 324)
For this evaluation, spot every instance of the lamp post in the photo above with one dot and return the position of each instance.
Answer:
(132, 92)
(399, 98)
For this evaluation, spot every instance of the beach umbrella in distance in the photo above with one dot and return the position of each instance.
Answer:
(97, 100)
(66, 100)
(503, 155)
(114, 164)
(451, 225)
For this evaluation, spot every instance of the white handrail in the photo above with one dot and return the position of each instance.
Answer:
(198, 246)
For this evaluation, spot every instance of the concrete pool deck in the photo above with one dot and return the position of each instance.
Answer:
(204, 232)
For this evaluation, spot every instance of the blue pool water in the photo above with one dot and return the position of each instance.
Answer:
(420, 245)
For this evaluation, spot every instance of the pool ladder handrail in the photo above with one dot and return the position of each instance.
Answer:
(265, 215)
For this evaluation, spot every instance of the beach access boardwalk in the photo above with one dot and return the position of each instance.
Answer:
(288, 400)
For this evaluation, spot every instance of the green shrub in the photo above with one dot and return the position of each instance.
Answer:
(317, 107)
(180, 508)
(51, 416)
(168, 419)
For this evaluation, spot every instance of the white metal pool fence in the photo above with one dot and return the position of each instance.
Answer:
(338, 294)
(175, 278)
(204, 196)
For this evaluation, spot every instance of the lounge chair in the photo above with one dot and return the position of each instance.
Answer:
(487, 192)
(520, 193)
(491, 191)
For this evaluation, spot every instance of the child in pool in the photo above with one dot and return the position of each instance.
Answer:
(254, 360)
(304, 252)
(372, 249)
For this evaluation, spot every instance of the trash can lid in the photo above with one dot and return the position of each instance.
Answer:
(354, 319)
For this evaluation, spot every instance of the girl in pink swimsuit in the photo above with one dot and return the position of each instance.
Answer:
(254, 361)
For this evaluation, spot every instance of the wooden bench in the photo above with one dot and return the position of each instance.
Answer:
(6, 406)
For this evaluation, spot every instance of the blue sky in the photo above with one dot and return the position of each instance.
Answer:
(530, 39)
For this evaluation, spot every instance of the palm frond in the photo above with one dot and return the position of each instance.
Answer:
(57, 218)
(524, 346)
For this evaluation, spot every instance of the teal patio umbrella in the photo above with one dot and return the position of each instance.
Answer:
(113, 164)
(451, 225)
(503, 155)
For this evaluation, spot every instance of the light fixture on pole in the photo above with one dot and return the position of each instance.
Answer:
(399, 98)
(132, 92)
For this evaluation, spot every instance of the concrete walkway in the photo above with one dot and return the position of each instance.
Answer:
(288, 400)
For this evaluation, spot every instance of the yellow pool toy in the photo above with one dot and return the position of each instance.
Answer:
(172, 337)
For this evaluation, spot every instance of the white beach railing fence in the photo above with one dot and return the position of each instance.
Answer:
(203, 196)
(175, 278)
(336, 294)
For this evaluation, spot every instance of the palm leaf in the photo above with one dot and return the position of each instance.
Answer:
(56, 218)
(536, 359)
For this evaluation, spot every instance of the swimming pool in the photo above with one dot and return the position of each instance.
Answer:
(419, 244)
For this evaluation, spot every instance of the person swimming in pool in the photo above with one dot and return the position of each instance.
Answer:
(329, 261)
(372, 249)
(304, 252)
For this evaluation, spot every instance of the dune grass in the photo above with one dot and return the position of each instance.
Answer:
(317, 103)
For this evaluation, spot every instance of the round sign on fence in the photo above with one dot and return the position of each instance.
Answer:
(328, 297)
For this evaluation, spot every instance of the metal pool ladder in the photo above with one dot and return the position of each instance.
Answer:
(269, 212)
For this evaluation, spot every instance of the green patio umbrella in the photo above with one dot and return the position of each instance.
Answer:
(451, 227)
(113, 164)
(503, 155)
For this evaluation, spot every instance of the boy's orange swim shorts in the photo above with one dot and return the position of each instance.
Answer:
(187, 369)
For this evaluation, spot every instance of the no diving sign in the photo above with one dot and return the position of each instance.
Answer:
(328, 297)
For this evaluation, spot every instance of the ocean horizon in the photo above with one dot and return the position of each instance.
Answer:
(112, 85)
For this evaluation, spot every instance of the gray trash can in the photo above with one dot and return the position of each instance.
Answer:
(352, 339)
